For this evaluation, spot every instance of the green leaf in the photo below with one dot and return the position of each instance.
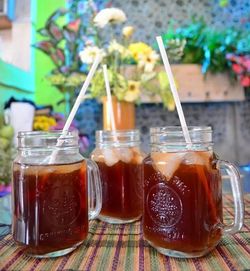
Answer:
(55, 31)
(97, 88)
(43, 32)
(45, 46)
(163, 80)
(55, 15)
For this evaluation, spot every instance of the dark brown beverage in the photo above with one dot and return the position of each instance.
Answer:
(121, 190)
(50, 206)
(183, 209)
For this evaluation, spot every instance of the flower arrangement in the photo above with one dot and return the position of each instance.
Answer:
(119, 51)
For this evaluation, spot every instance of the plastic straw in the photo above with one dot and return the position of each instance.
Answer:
(174, 90)
(77, 103)
(82, 93)
(110, 105)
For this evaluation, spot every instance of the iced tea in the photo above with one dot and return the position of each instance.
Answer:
(122, 188)
(50, 206)
(182, 202)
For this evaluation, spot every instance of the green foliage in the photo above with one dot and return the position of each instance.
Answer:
(117, 82)
(6, 151)
(61, 41)
(207, 46)
(158, 84)
(223, 3)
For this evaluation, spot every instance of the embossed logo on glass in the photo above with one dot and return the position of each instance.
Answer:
(164, 205)
(62, 205)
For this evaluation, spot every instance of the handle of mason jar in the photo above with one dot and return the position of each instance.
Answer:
(94, 189)
(234, 175)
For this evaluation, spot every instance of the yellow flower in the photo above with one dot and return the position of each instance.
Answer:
(147, 61)
(128, 31)
(36, 126)
(51, 121)
(109, 15)
(43, 123)
(45, 126)
(89, 53)
(133, 91)
(139, 48)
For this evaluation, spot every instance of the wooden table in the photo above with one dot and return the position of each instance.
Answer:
(122, 247)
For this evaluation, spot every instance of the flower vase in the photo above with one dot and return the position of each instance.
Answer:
(124, 114)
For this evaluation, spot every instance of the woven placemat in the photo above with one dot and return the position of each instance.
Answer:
(122, 247)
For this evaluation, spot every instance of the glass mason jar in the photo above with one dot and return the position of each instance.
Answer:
(55, 192)
(119, 159)
(182, 214)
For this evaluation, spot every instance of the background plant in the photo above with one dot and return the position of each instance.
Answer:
(207, 46)
(62, 38)
(6, 151)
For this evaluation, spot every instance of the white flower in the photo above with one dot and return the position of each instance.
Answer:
(89, 53)
(115, 46)
(133, 91)
(109, 15)
(148, 61)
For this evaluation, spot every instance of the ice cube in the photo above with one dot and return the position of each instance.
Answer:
(138, 155)
(124, 154)
(97, 155)
(167, 163)
(65, 169)
(110, 157)
(198, 158)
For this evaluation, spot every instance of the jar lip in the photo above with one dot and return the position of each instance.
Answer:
(126, 132)
(117, 137)
(178, 129)
(52, 134)
(173, 135)
(47, 140)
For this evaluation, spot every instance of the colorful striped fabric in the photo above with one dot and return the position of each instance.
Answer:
(122, 247)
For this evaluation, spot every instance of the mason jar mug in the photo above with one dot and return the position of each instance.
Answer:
(119, 159)
(182, 209)
(55, 192)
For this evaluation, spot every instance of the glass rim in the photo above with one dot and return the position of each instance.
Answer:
(54, 133)
(178, 129)
(117, 137)
(117, 132)
(47, 140)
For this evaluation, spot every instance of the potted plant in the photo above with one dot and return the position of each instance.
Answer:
(205, 69)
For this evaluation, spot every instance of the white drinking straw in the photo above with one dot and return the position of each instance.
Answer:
(110, 105)
(77, 103)
(82, 93)
(174, 90)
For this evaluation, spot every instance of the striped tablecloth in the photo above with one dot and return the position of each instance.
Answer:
(122, 247)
